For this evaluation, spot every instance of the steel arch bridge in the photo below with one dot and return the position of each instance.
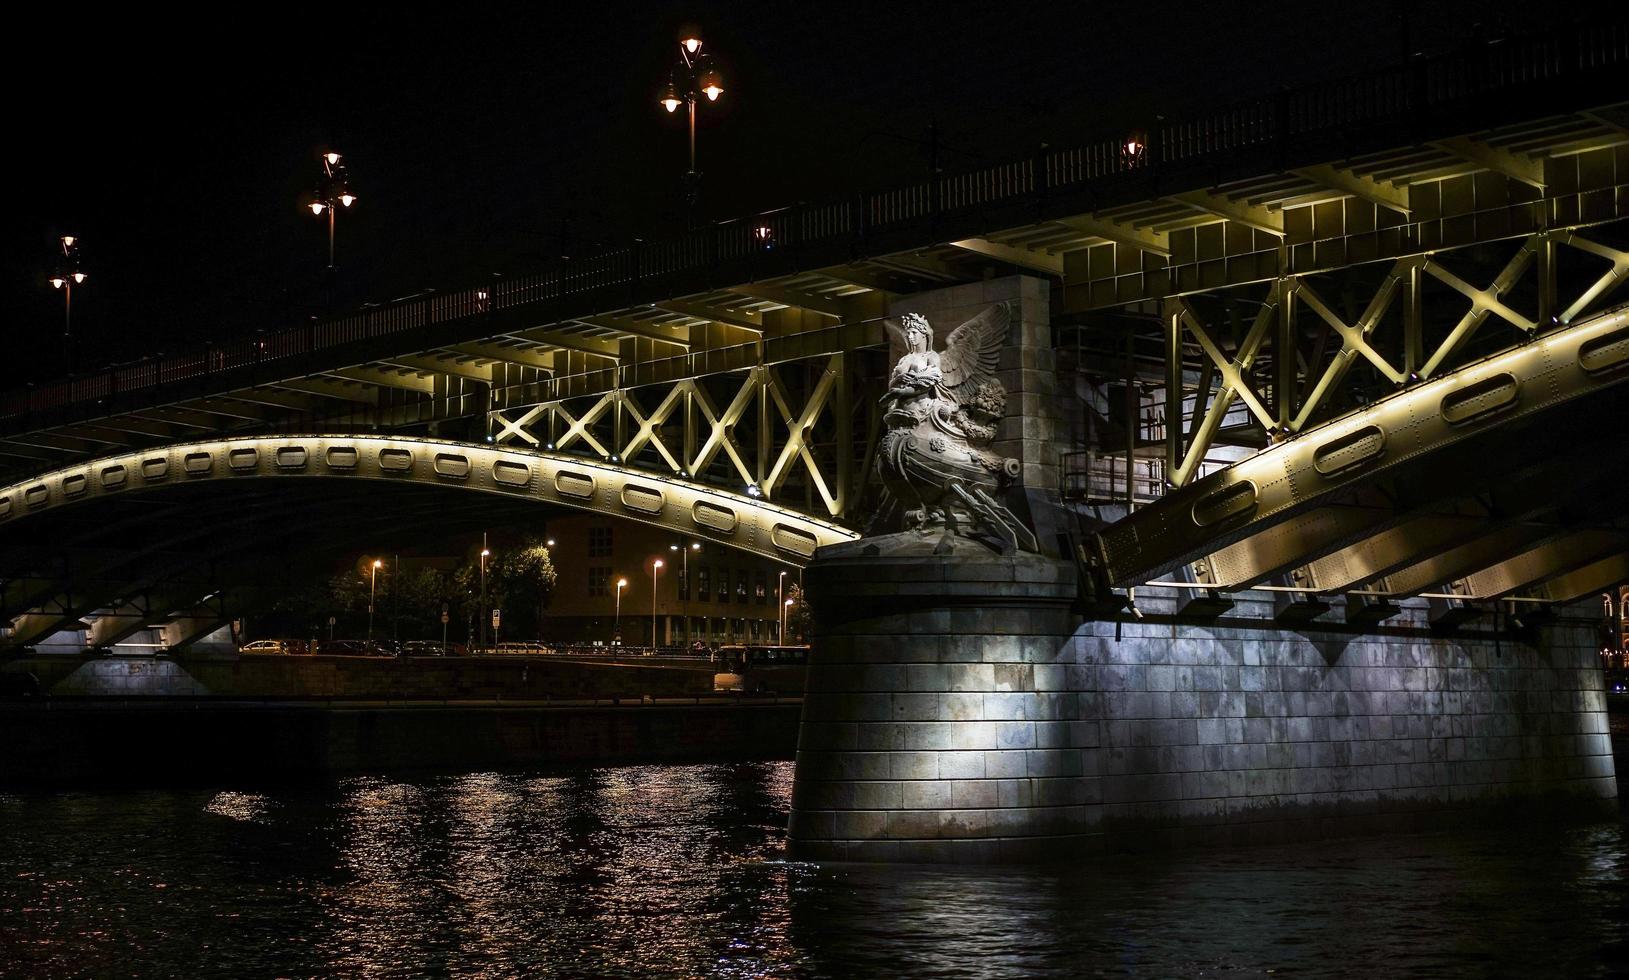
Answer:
(736, 520)
(1321, 316)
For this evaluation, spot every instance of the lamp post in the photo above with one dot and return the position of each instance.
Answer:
(655, 570)
(485, 554)
(786, 607)
(373, 588)
(693, 76)
(333, 192)
(684, 595)
(616, 628)
(780, 600)
(68, 276)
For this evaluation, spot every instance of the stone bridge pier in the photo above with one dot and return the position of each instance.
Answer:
(960, 712)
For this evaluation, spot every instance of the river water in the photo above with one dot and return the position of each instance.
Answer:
(679, 871)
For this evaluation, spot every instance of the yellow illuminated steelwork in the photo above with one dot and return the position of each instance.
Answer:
(558, 480)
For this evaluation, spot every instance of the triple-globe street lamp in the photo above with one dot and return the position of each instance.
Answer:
(693, 78)
(333, 192)
(69, 275)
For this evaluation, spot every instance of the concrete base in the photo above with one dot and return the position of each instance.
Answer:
(957, 711)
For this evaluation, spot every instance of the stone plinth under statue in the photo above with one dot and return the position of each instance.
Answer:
(936, 726)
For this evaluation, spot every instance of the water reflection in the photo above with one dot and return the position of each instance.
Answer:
(678, 871)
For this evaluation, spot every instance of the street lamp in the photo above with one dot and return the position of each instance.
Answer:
(786, 607)
(780, 600)
(655, 569)
(484, 555)
(616, 629)
(692, 78)
(373, 587)
(69, 275)
(684, 594)
(333, 192)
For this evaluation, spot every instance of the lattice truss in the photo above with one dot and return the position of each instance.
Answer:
(797, 433)
(1318, 346)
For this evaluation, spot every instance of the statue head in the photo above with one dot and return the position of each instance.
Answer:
(918, 334)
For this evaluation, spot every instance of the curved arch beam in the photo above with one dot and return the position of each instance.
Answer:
(731, 519)
(1292, 478)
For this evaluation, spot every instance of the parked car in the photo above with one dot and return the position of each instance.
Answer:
(426, 648)
(343, 648)
(275, 647)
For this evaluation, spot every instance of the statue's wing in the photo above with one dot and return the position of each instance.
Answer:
(973, 350)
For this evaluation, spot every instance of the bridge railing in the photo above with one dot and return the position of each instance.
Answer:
(1402, 95)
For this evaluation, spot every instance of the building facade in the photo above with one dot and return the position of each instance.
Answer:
(703, 592)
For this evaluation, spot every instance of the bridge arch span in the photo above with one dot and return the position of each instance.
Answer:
(731, 519)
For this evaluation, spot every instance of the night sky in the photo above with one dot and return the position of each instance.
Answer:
(492, 139)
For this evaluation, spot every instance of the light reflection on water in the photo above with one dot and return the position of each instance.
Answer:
(678, 871)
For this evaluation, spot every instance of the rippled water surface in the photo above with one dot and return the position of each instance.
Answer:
(678, 871)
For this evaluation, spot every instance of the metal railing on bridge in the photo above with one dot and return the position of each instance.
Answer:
(1282, 124)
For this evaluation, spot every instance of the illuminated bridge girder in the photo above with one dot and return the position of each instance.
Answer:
(1291, 479)
(755, 430)
(734, 520)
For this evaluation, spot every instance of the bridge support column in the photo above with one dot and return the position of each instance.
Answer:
(939, 723)
(959, 712)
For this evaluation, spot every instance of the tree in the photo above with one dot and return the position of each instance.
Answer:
(520, 582)
(799, 619)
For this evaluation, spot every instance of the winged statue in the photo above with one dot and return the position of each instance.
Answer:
(940, 416)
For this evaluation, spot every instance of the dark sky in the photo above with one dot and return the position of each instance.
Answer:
(179, 147)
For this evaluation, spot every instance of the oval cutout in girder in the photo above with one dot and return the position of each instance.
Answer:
(574, 484)
(341, 457)
(452, 465)
(1480, 398)
(713, 516)
(643, 499)
(793, 540)
(73, 486)
(197, 464)
(1226, 503)
(291, 457)
(37, 495)
(1605, 352)
(113, 476)
(511, 474)
(243, 459)
(156, 468)
(1353, 449)
(395, 460)
(5, 506)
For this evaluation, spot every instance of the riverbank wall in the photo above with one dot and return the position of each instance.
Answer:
(252, 676)
(102, 742)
